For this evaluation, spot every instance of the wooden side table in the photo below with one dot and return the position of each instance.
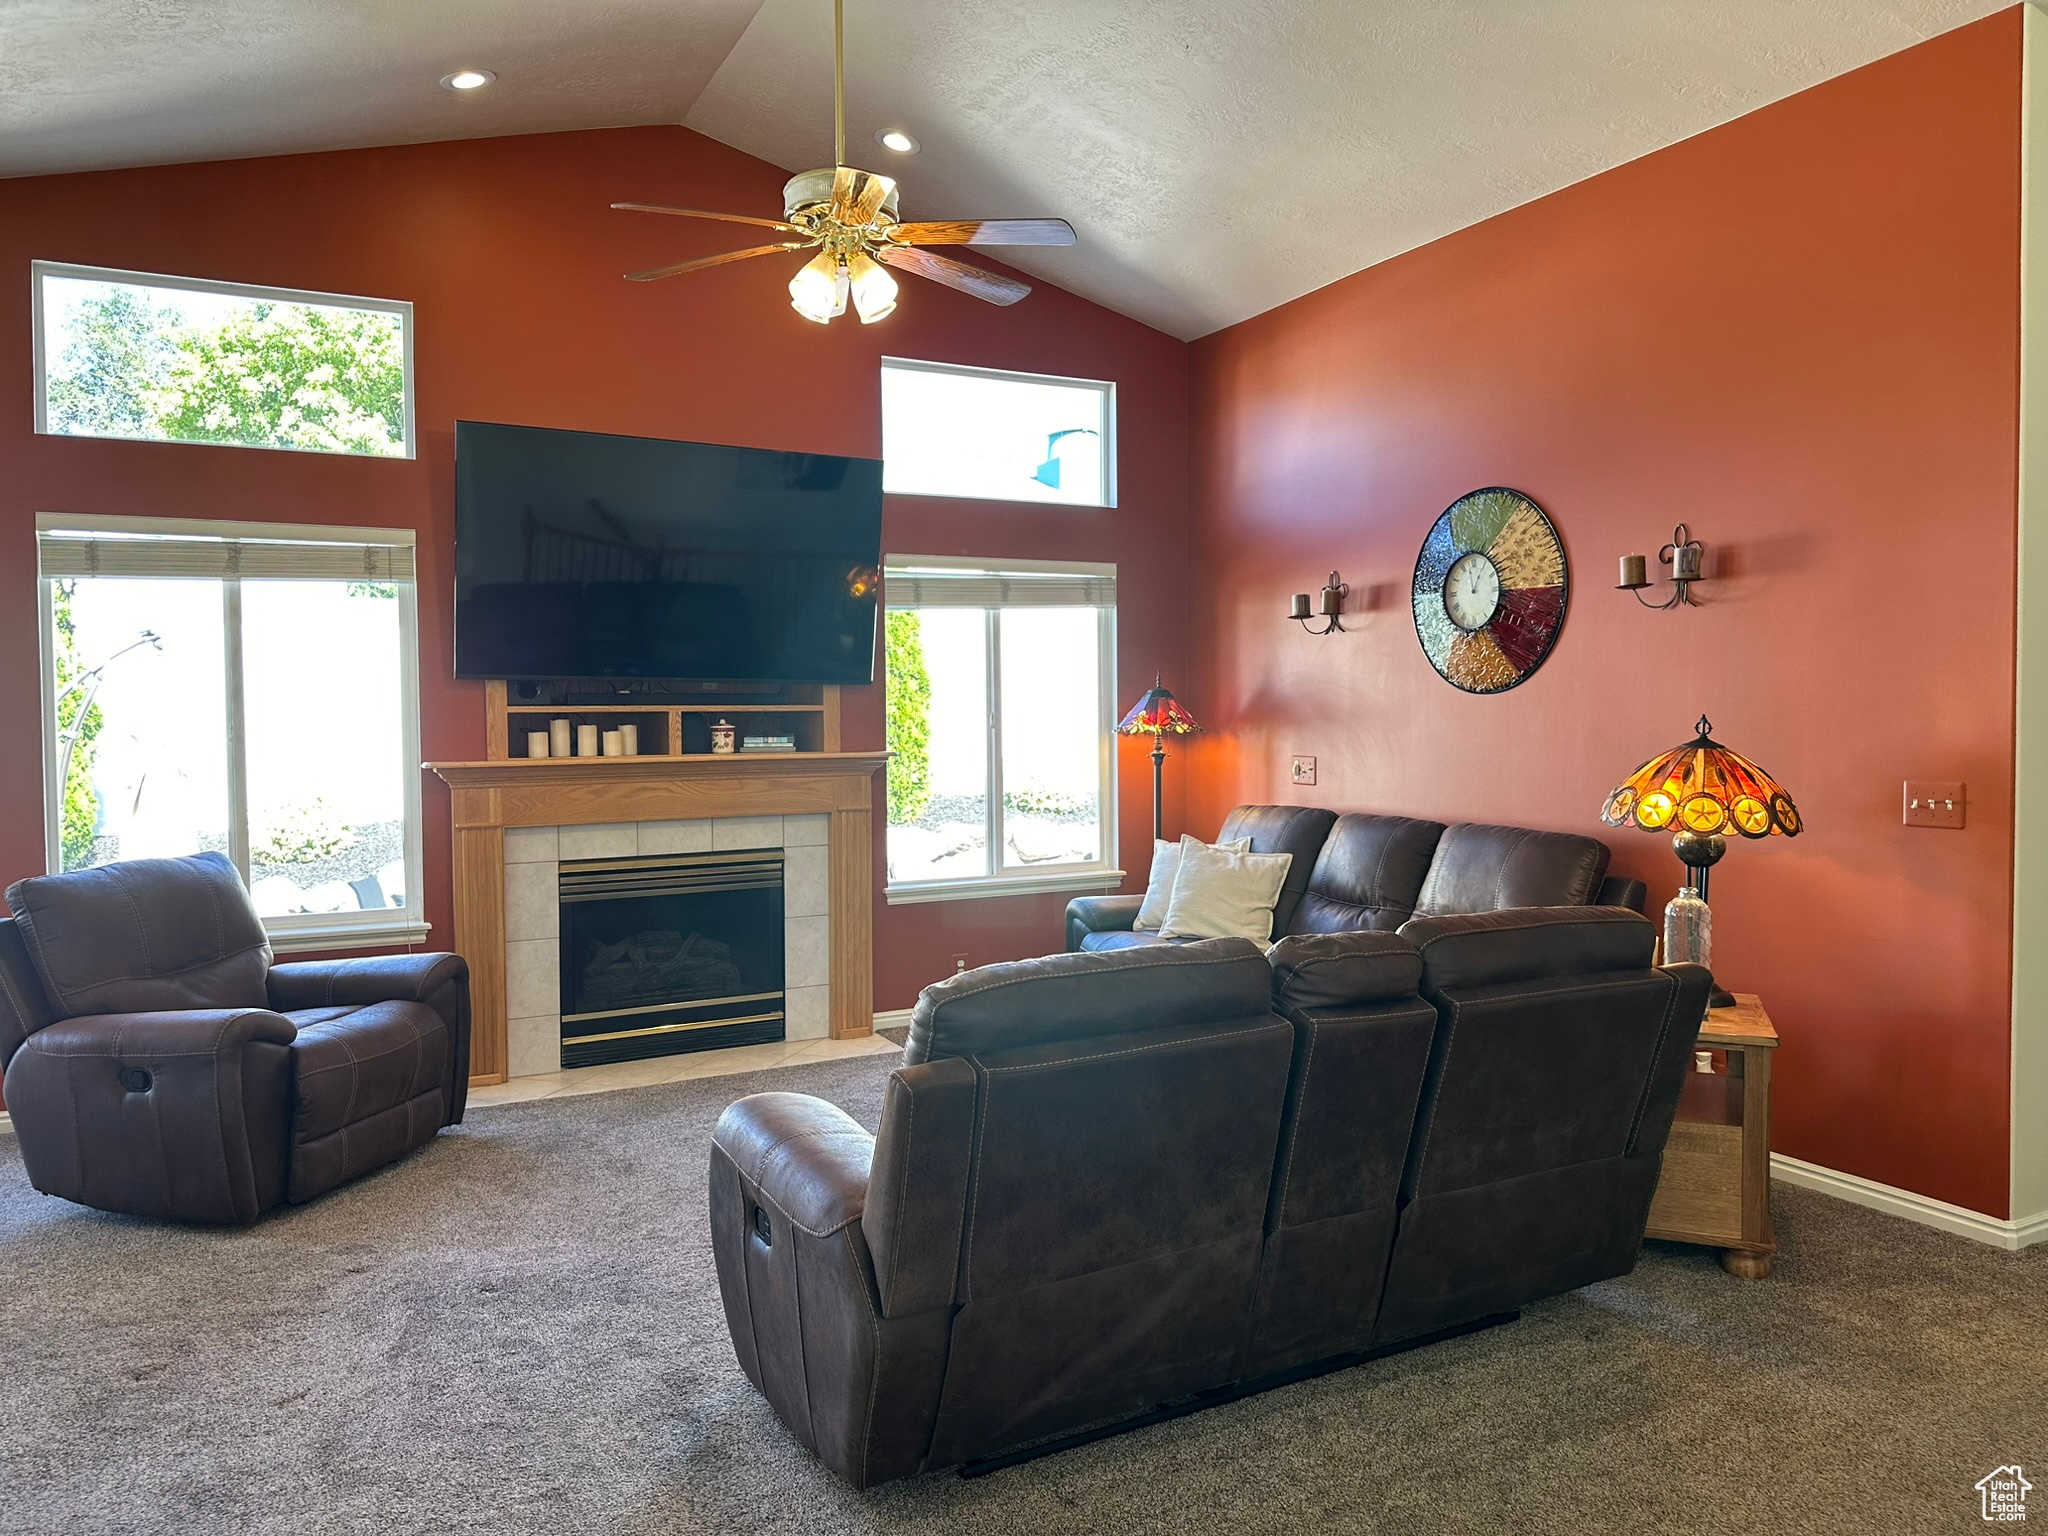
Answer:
(1716, 1184)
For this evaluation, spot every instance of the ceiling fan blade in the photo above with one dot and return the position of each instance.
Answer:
(712, 261)
(986, 232)
(954, 274)
(699, 213)
(844, 180)
(872, 191)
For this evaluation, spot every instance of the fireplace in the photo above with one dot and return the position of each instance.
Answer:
(668, 953)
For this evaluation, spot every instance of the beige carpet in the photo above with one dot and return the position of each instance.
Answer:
(518, 1331)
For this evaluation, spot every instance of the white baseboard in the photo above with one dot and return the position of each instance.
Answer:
(895, 1018)
(1924, 1209)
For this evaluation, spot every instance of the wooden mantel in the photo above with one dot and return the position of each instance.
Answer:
(488, 797)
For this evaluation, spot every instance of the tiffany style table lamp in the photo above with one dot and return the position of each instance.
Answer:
(1704, 791)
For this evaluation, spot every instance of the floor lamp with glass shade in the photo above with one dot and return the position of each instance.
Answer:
(1158, 715)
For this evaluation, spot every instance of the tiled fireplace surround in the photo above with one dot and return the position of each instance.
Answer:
(533, 992)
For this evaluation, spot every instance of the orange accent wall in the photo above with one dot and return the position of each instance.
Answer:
(512, 261)
(1799, 334)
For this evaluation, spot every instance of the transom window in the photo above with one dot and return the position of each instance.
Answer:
(242, 688)
(183, 360)
(999, 689)
(948, 430)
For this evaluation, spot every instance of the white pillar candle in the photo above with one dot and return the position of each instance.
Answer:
(629, 740)
(614, 744)
(537, 743)
(586, 741)
(558, 738)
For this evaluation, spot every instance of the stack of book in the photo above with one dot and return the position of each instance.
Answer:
(767, 743)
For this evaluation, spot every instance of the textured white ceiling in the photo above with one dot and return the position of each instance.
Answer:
(86, 84)
(1218, 157)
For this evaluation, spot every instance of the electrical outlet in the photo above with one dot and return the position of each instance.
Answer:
(959, 964)
(1304, 770)
(1932, 804)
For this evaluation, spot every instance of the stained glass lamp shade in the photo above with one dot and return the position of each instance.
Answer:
(1158, 715)
(1701, 791)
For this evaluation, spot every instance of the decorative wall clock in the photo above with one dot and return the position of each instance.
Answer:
(1490, 587)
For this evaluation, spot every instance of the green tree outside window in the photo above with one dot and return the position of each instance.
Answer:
(909, 712)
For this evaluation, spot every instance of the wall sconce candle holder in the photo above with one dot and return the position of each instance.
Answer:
(1683, 554)
(1333, 605)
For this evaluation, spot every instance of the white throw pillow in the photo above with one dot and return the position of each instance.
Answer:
(1159, 888)
(1221, 893)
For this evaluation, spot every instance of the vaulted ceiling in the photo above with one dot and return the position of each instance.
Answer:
(1217, 157)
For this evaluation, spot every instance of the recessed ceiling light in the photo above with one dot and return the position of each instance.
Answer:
(467, 80)
(898, 140)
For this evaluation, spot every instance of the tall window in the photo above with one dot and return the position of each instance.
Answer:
(244, 688)
(954, 431)
(999, 685)
(176, 359)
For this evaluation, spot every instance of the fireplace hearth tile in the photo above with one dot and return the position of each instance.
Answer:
(807, 1013)
(807, 952)
(534, 1046)
(533, 979)
(746, 832)
(602, 840)
(660, 837)
(533, 905)
(806, 831)
(806, 882)
(530, 845)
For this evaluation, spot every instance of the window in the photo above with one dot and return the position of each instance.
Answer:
(952, 431)
(245, 688)
(174, 359)
(999, 685)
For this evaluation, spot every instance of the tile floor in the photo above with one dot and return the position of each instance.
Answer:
(673, 1069)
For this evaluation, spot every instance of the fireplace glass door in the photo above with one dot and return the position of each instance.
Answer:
(670, 953)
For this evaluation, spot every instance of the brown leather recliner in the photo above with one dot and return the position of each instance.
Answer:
(1106, 1182)
(158, 1064)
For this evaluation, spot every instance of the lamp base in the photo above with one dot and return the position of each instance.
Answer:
(1721, 998)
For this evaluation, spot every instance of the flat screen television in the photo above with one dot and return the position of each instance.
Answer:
(585, 555)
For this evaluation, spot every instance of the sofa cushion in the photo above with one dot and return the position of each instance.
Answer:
(1529, 944)
(1071, 997)
(143, 936)
(1220, 893)
(1481, 869)
(372, 1084)
(1369, 874)
(1293, 829)
(1342, 970)
(1099, 943)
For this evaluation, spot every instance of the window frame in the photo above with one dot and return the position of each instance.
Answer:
(1099, 876)
(39, 383)
(289, 933)
(1105, 387)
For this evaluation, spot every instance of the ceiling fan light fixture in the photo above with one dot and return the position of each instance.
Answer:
(467, 80)
(874, 290)
(896, 140)
(818, 291)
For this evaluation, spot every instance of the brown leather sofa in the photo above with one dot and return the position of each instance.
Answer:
(157, 1062)
(1110, 1186)
(1359, 871)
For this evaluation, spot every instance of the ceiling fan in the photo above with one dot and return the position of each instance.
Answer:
(849, 216)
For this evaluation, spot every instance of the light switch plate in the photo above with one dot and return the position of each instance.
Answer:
(1304, 770)
(1931, 803)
